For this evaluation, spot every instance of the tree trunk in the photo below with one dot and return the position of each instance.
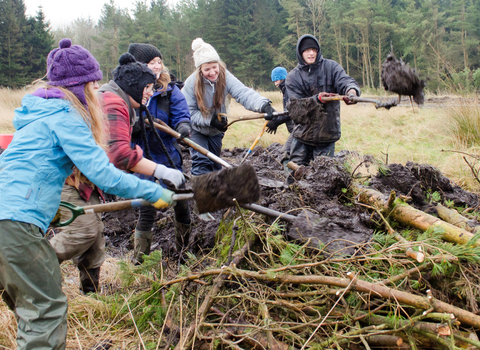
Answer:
(407, 215)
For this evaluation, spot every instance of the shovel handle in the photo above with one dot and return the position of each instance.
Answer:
(351, 98)
(269, 212)
(255, 142)
(254, 116)
(108, 207)
(378, 104)
(162, 126)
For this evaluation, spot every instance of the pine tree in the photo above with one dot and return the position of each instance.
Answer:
(112, 26)
(39, 42)
(13, 68)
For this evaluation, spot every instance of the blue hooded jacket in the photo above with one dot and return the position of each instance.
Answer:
(178, 113)
(51, 138)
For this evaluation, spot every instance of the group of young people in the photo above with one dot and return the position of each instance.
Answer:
(75, 141)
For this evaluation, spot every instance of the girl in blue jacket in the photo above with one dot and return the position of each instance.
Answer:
(58, 127)
(167, 104)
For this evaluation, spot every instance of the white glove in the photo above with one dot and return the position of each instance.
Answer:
(174, 176)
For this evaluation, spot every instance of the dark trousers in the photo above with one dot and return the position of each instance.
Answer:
(148, 214)
(202, 164)
(302, 154)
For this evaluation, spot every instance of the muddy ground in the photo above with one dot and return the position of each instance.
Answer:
(319, 199)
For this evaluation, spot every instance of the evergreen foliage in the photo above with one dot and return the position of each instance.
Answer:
(24, 44)
(440, 39)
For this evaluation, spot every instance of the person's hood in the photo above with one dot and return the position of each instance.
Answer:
(112, 86)
(300, 59)
(35, 107)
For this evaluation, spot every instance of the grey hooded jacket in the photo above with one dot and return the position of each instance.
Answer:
(247, 97)
(322, 76)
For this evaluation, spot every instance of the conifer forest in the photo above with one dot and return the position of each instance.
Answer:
(439, 38)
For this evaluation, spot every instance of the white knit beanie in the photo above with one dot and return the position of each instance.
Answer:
(203, 52)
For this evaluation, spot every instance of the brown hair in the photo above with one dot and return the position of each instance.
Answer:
(220, 86)
(163, 80)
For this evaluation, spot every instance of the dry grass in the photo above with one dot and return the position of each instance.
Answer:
(9, 100)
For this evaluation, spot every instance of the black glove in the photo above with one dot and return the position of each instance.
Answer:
(219, 125)
(268, 109)
(184, 129)
(273, 124)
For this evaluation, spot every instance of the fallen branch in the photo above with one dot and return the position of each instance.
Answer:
(208, 301)
(407, 215)
(454, 218)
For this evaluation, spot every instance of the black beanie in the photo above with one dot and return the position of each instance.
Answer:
(144, 52)
(308, 43)
(133, 76)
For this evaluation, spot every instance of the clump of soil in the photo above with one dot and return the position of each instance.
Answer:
(305, 110)
(419, 180)
(399, 77)
(218, 190)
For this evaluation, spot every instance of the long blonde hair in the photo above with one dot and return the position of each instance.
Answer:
(94, 118)
(220, 85)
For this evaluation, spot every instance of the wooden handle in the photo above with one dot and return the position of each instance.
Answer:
(162, 126)
(107, 207)
(293, 166)
(254, 116)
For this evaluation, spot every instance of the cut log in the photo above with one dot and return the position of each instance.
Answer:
(384, 340)
(454, 218)
(407, 215)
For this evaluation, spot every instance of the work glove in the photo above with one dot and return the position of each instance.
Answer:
(268, 109)
(353, 93)
(172, 175)
(219, 125)
(184, 129)
(273, 124)
(325, 94)
(165, 200)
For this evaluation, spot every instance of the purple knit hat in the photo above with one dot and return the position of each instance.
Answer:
(72, 67)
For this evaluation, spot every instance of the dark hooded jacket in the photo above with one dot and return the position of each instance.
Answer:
(322, 76)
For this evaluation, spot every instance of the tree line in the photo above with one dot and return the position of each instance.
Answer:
(439, 38)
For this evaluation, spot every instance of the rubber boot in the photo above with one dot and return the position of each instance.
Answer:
(182, 235)
(89, 280)
(141, 245)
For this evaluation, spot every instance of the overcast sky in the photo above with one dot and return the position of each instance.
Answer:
(63, 12)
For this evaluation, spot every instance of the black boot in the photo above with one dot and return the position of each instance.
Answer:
(89, 280)
(182, 235)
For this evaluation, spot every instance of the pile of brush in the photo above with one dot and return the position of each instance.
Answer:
(403, 286)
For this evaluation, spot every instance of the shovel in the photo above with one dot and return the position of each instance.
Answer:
(76, 211)
(213, 191)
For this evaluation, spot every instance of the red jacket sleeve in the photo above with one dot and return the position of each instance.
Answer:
(120, 151)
